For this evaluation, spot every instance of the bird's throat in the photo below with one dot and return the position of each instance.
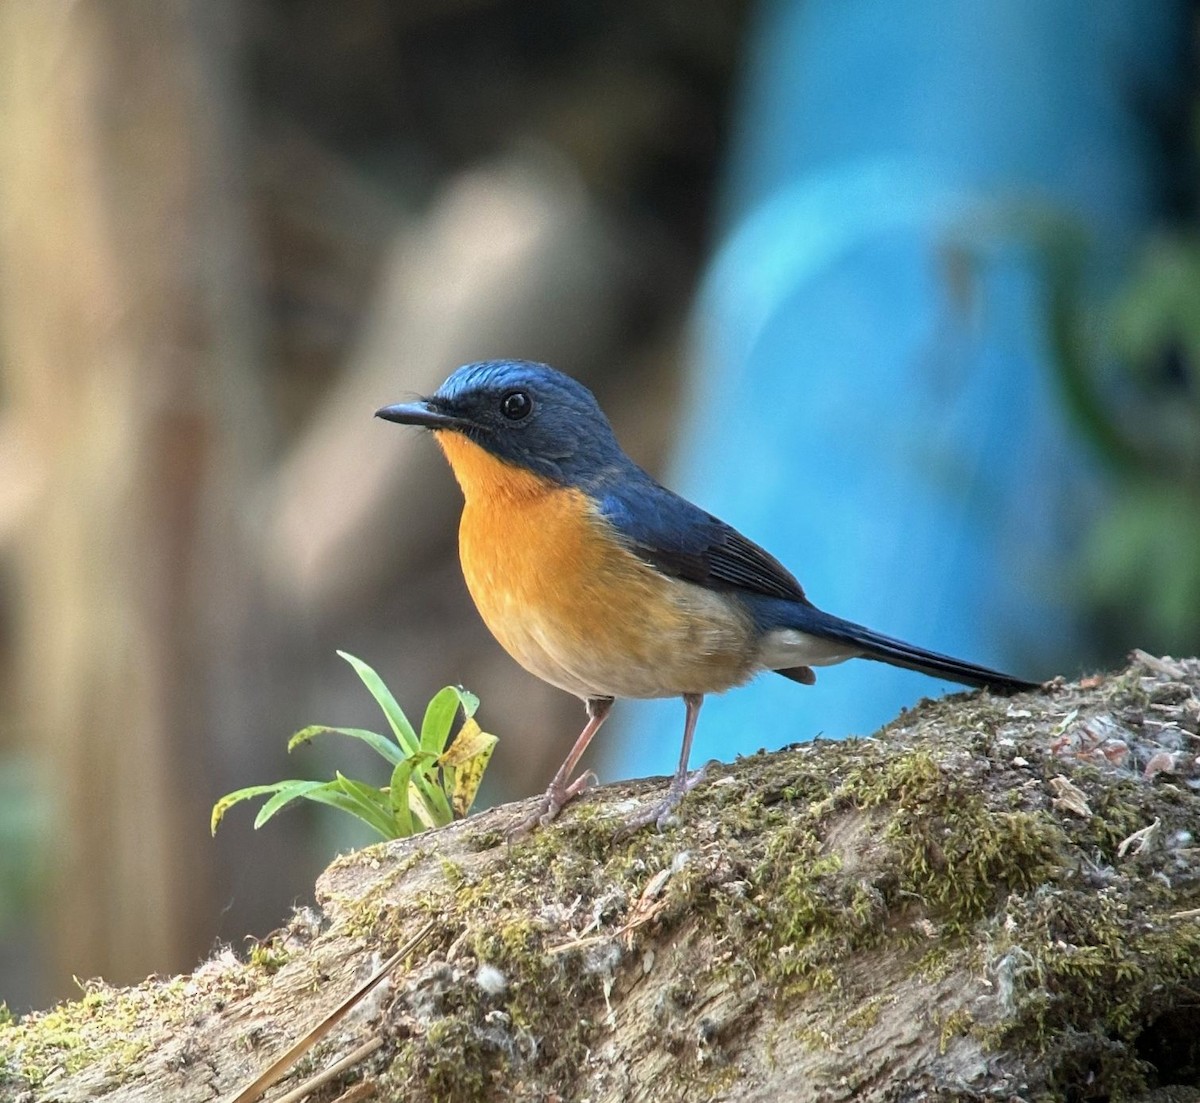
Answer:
(487, 478)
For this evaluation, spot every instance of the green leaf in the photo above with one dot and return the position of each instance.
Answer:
(426, 796)
(432, 791)
(439, 717)
(332, 794)
(230, 799)
(433, 778)
(405, 735)
(431, 799)
(469, 702)
(378, 743)
(435, 735)
(372, 805)
(288, 792)
(424, 808)
(468, 757)
(398, 795)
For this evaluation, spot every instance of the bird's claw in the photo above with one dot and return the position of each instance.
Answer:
(662, 815)
(553, 801)
(579, 786)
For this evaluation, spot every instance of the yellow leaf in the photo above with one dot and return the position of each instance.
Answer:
(467, 757)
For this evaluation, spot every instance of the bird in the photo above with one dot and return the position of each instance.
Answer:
(599, 580)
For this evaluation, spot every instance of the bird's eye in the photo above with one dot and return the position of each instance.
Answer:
(516, 405)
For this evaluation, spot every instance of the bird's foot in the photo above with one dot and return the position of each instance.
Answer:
(553, 801)
(662, 815)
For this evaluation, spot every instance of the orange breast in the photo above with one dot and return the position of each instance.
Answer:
(572, 605)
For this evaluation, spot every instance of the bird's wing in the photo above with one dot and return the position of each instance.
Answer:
(683, 541)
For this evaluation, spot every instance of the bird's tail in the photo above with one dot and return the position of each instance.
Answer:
(884, 649)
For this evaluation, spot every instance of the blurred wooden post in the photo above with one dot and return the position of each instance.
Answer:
(126, 343)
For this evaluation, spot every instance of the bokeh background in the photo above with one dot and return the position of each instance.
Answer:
(908, 291)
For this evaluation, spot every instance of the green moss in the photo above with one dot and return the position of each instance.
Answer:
(1090, 961)
(1117, 807)
(451, 870)
(1092, 964)
(864, 1016)
(812, 917)
(269, 956)
(802, 884)
(939, 961)
(954, 1025)
(369, 917)
(106, 1027)
(898, 839)
(815, 1039)
(368, 920)
(953, 852)
(457, 1062)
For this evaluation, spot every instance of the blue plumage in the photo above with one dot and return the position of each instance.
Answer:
(659, 598)
(566, 438)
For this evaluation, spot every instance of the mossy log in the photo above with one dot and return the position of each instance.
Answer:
(991, 898)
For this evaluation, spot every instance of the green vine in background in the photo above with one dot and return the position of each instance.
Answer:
(1130, 379)
(1064, 257)
(24, 822)
(434, 776)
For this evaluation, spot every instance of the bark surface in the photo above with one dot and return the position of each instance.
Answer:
(992, 898)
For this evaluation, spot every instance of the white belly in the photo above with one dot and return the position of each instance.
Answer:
(783, 648)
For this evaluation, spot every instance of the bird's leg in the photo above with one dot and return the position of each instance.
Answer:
(562, 789)
(682, 783)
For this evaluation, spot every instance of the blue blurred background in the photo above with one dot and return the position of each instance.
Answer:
(875, 390)
(908, 291)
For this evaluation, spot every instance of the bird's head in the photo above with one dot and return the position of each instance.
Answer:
(525, 414)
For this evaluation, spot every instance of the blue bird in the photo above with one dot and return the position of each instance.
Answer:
(600, 581)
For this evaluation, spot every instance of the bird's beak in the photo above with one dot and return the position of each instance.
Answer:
(422, 413)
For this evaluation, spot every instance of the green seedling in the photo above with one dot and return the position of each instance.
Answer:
(434, 777)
